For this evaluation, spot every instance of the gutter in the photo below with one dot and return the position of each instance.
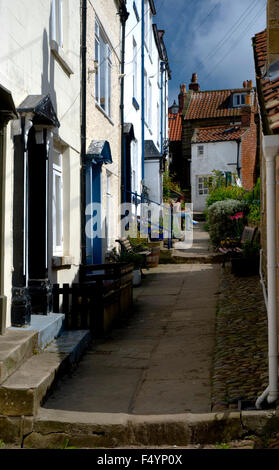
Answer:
(123, 18)
(271, 151)
(83, 127)
(142, 90)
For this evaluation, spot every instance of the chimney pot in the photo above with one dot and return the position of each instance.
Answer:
(194, 86)
(250, 84)
(245, 84)
(248, 100)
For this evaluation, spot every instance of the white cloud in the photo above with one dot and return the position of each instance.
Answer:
(213, 39)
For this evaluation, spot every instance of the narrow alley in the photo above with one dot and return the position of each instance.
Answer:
(159, 361)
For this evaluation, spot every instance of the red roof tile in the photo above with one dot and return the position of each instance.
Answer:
(269, 88)
(218, 134)
(211, 104)
(175, 127)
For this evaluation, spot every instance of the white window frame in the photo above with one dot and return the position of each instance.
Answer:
(147, 26)
(135, 70)
(149, 103)
(239, 100)
(202, 185)
(158, 125)
(145, 97)
(104, 66)
(200, 150)
(57, 173)
(57, 22)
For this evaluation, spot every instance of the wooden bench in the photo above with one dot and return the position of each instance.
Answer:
(248, 235)
(127, 247)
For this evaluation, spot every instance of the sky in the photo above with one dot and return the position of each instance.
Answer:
(211, 38)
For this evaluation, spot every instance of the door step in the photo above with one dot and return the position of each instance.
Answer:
(15, 348)
(23, 392)
(47, 326)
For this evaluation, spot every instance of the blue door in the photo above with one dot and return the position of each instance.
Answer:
(93, 214)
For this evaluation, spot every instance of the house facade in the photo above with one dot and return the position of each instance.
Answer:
(218, 132)
(40, 68)
(266, 55)
(102, 160)
(145, 105)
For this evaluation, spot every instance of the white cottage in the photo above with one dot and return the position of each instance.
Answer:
(40, 74)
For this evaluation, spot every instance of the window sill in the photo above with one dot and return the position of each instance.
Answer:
(59, 261)
(61, 57)
(103, 112)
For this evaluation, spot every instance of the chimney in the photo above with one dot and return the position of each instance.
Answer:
(246, 112)
(272, 31)
(194, 83)
(181, 97)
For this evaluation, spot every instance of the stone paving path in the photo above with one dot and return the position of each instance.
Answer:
(159, 361)
(240, 362)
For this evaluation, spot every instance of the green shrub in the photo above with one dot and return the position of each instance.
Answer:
(254, 212)
(220, 224)
(223, 193)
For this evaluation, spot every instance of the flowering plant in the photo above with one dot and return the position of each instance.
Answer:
(238, 224)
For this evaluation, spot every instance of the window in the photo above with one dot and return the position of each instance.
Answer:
(57, 206)
(200, 151)
(145, 97)
(239, 99)
(147, 26)
(203, 183)
(135, 70)
(158, 125)
(134, 165)
(103, 75)
(149, 103)
(57, 21)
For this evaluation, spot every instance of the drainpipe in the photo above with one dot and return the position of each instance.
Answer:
(123, 18)
(83, 128)
(162, 105)
(142, 89)
(238, 167)
(271, 150)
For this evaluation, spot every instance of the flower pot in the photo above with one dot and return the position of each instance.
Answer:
(245, 266)
(152, 260)
(136, 277)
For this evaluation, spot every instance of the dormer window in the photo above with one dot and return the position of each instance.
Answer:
(239, 99)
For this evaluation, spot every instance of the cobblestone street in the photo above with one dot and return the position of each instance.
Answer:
(240, 361)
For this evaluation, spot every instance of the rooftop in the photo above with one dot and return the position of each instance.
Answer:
(269, 88)
(175, 127)
(218, 134)
(213, 104)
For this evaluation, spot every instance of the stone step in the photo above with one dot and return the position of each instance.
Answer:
(198, 258)
(15, 348)
(23, 392)
(48, 327)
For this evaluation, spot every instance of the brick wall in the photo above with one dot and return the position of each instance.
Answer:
(249, 153)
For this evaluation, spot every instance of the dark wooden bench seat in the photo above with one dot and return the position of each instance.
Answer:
(248, 235)
(127, 247)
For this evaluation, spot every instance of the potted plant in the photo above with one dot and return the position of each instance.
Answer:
(246, 262)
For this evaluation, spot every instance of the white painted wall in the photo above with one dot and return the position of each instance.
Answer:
(217, 156)
(99, 125)
(28, 66)
(152, 127)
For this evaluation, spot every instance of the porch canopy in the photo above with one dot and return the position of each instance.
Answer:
(99, 152)
(150, 151)
(42, 108)
(7, 107)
